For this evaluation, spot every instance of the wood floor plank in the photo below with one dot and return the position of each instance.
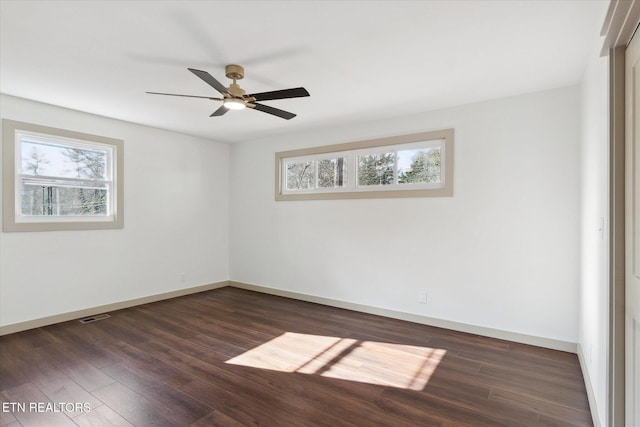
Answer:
(71, 362)
(102, 416)
(264, 411)
(536, 385)
(14, 371)
(133, 407)
(6, 417)
(85, 343)
(548, 410)
(32, 340)
(217, 418)
(171, 403)
(234, 357)
(54, 384)
(404, 402)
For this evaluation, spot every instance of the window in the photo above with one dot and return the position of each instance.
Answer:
(315, 173)
(60, 180)
(416, 165)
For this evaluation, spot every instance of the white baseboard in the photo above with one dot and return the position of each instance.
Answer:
(64, 317)
(447, 324)
(587, 382)
(440, 323)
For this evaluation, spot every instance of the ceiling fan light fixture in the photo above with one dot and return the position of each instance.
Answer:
(234, 104)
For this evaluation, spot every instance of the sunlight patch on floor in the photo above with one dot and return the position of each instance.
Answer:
(386, 364)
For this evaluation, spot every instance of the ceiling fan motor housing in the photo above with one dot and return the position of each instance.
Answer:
(234, 72)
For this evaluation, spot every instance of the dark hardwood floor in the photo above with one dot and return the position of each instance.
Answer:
(231, 357)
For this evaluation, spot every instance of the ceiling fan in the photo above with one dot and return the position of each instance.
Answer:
(235, 98)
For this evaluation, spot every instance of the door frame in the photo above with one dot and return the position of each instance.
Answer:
(616, 368)
(621, 22)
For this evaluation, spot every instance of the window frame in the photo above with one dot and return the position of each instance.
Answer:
(353, 149)
(13, 220)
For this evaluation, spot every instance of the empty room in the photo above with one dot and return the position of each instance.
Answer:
(320, 213)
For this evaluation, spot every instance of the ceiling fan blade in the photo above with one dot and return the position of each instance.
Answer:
(210, 80)
(297, 92)
(270, 110)
(188, 96)
(220, 111)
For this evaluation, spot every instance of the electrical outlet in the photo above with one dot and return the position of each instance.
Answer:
(422, 297)
(183, 277)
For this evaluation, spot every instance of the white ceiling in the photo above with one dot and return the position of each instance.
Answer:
(360, 60)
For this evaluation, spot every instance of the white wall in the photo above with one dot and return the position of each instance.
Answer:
(502, 253)
(176, 220)
(594, 252)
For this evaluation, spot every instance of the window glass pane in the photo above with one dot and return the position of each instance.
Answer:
(419, 165)
(63, 200)
(376, 169)
(60, 179)
(301, 175)
(62, 161)
(332, 173)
